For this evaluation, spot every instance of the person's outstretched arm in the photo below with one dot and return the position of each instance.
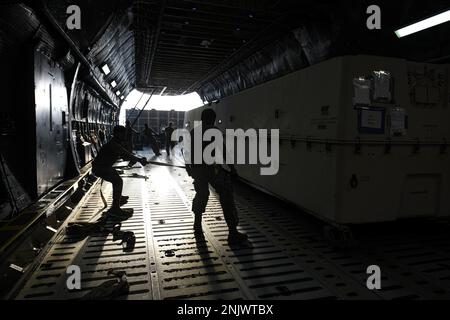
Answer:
(127, 155)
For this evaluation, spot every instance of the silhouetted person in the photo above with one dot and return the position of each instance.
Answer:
(168, 132)
(150, 134)
(219, 179)
(129, 139)
(129, 136)
(102, 166)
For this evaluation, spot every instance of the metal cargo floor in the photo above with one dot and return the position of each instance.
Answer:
(289, 259)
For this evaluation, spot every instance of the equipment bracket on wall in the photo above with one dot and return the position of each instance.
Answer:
(310, 141)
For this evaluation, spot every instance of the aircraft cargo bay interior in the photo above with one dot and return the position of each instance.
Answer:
(232, 150)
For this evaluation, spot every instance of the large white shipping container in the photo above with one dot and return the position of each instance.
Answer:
(363, 139)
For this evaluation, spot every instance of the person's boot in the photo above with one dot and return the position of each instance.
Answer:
(123, 200)
(117, 212)
(236, 237)
(198, 225)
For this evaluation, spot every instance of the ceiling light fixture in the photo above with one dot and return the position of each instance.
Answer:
(424, 24)
(113, 84)
(118, 93)
(105, 69)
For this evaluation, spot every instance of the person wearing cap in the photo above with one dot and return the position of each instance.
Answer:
(102, 166)
(169, 143)
(220, 179)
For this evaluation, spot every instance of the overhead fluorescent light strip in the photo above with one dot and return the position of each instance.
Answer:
(105, 69)
(424, 24)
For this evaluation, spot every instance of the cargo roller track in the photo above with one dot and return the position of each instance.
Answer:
(288, 258)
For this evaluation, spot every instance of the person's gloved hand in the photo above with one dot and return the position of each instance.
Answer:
(143, 161)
